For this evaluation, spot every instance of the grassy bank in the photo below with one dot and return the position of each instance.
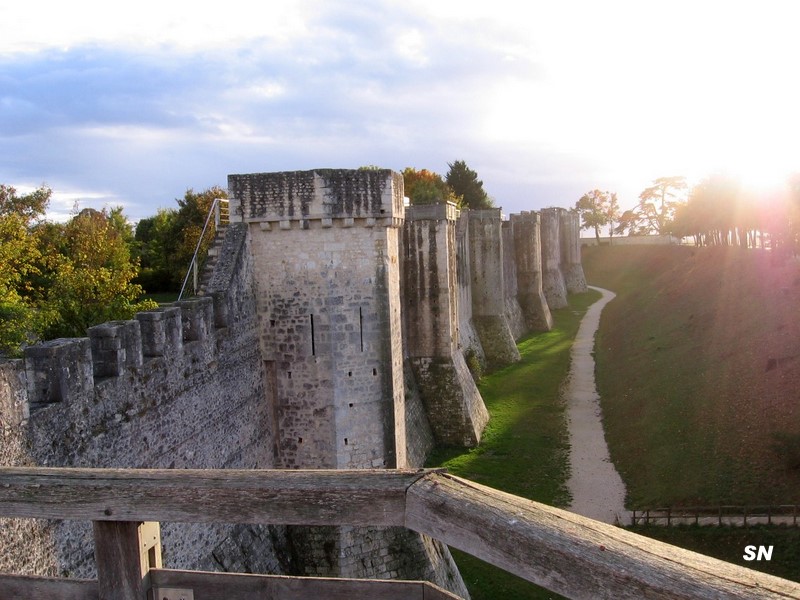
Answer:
(697, 367)
(524, 449)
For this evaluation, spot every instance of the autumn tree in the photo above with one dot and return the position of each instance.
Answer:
(56, 280)
(597, 209)
(427, 187)
(465, 183)
(91, 275)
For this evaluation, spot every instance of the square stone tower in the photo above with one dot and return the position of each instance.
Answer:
(326, 267)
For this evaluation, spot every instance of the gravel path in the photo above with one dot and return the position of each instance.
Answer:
(596, 487)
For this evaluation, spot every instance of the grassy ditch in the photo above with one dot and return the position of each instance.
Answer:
(524, 449)
(697, 368)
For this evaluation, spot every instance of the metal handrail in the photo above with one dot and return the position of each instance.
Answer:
(193, 265)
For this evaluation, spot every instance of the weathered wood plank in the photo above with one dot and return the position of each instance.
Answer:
(375, 497)
(47, 588)
(123, 564)
(206, 586)
(572, 555)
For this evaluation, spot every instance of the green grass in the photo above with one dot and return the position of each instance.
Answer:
(524, 449)
(689, 412)
(728, 544)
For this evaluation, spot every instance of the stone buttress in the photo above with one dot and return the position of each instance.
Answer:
(528, 253)
(571, 252)
(488, 288)
(454, 406)
(553, 284)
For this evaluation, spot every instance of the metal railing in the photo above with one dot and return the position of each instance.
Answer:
(220, 212)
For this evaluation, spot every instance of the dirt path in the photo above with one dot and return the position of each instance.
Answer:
(596, 487)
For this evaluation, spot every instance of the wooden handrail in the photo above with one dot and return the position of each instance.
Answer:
(566, 553)
(275, 497)
(570, 554)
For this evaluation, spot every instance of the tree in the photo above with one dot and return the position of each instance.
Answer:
(657, 204)
(91, 275)
(20, 263)
(465, 183)
(167, 241)
(427, 187)
(597, 209)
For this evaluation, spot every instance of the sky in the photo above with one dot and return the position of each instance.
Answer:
(131, 104)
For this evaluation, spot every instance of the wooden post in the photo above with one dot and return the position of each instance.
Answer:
(125, 552)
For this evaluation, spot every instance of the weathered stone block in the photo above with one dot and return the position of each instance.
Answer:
(58, 371)
(116, 345)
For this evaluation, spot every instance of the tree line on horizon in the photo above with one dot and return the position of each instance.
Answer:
(718, 211)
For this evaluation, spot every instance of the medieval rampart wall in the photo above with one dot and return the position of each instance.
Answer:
(488, 288)
(336, 334)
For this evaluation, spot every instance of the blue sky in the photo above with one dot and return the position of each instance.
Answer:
(132, 104)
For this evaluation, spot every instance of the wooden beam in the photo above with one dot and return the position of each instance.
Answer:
(330, 497)
(47, 588)
(257, 587)
(572, 555)
(125, 551)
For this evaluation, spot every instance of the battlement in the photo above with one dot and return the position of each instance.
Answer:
(322, 197)
(67, 370)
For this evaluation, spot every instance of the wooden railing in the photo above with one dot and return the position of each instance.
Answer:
(566, 553)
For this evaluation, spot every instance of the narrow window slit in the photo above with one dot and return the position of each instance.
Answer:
(313, 347)
(361, 327)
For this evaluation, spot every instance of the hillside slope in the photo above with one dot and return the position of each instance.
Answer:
(698, 363)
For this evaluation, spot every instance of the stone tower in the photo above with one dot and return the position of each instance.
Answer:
(453, 404)
(325, 248)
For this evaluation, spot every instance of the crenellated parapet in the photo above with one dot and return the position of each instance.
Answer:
(67, 370)
(180, 386)
(319, 198)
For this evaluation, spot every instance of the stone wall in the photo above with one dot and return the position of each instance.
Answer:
(326, 253)
(514, 315)
(179, 387)
(528, 257)
(571, 266)
(468, 339)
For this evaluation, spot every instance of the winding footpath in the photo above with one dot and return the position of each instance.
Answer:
(596, 487)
